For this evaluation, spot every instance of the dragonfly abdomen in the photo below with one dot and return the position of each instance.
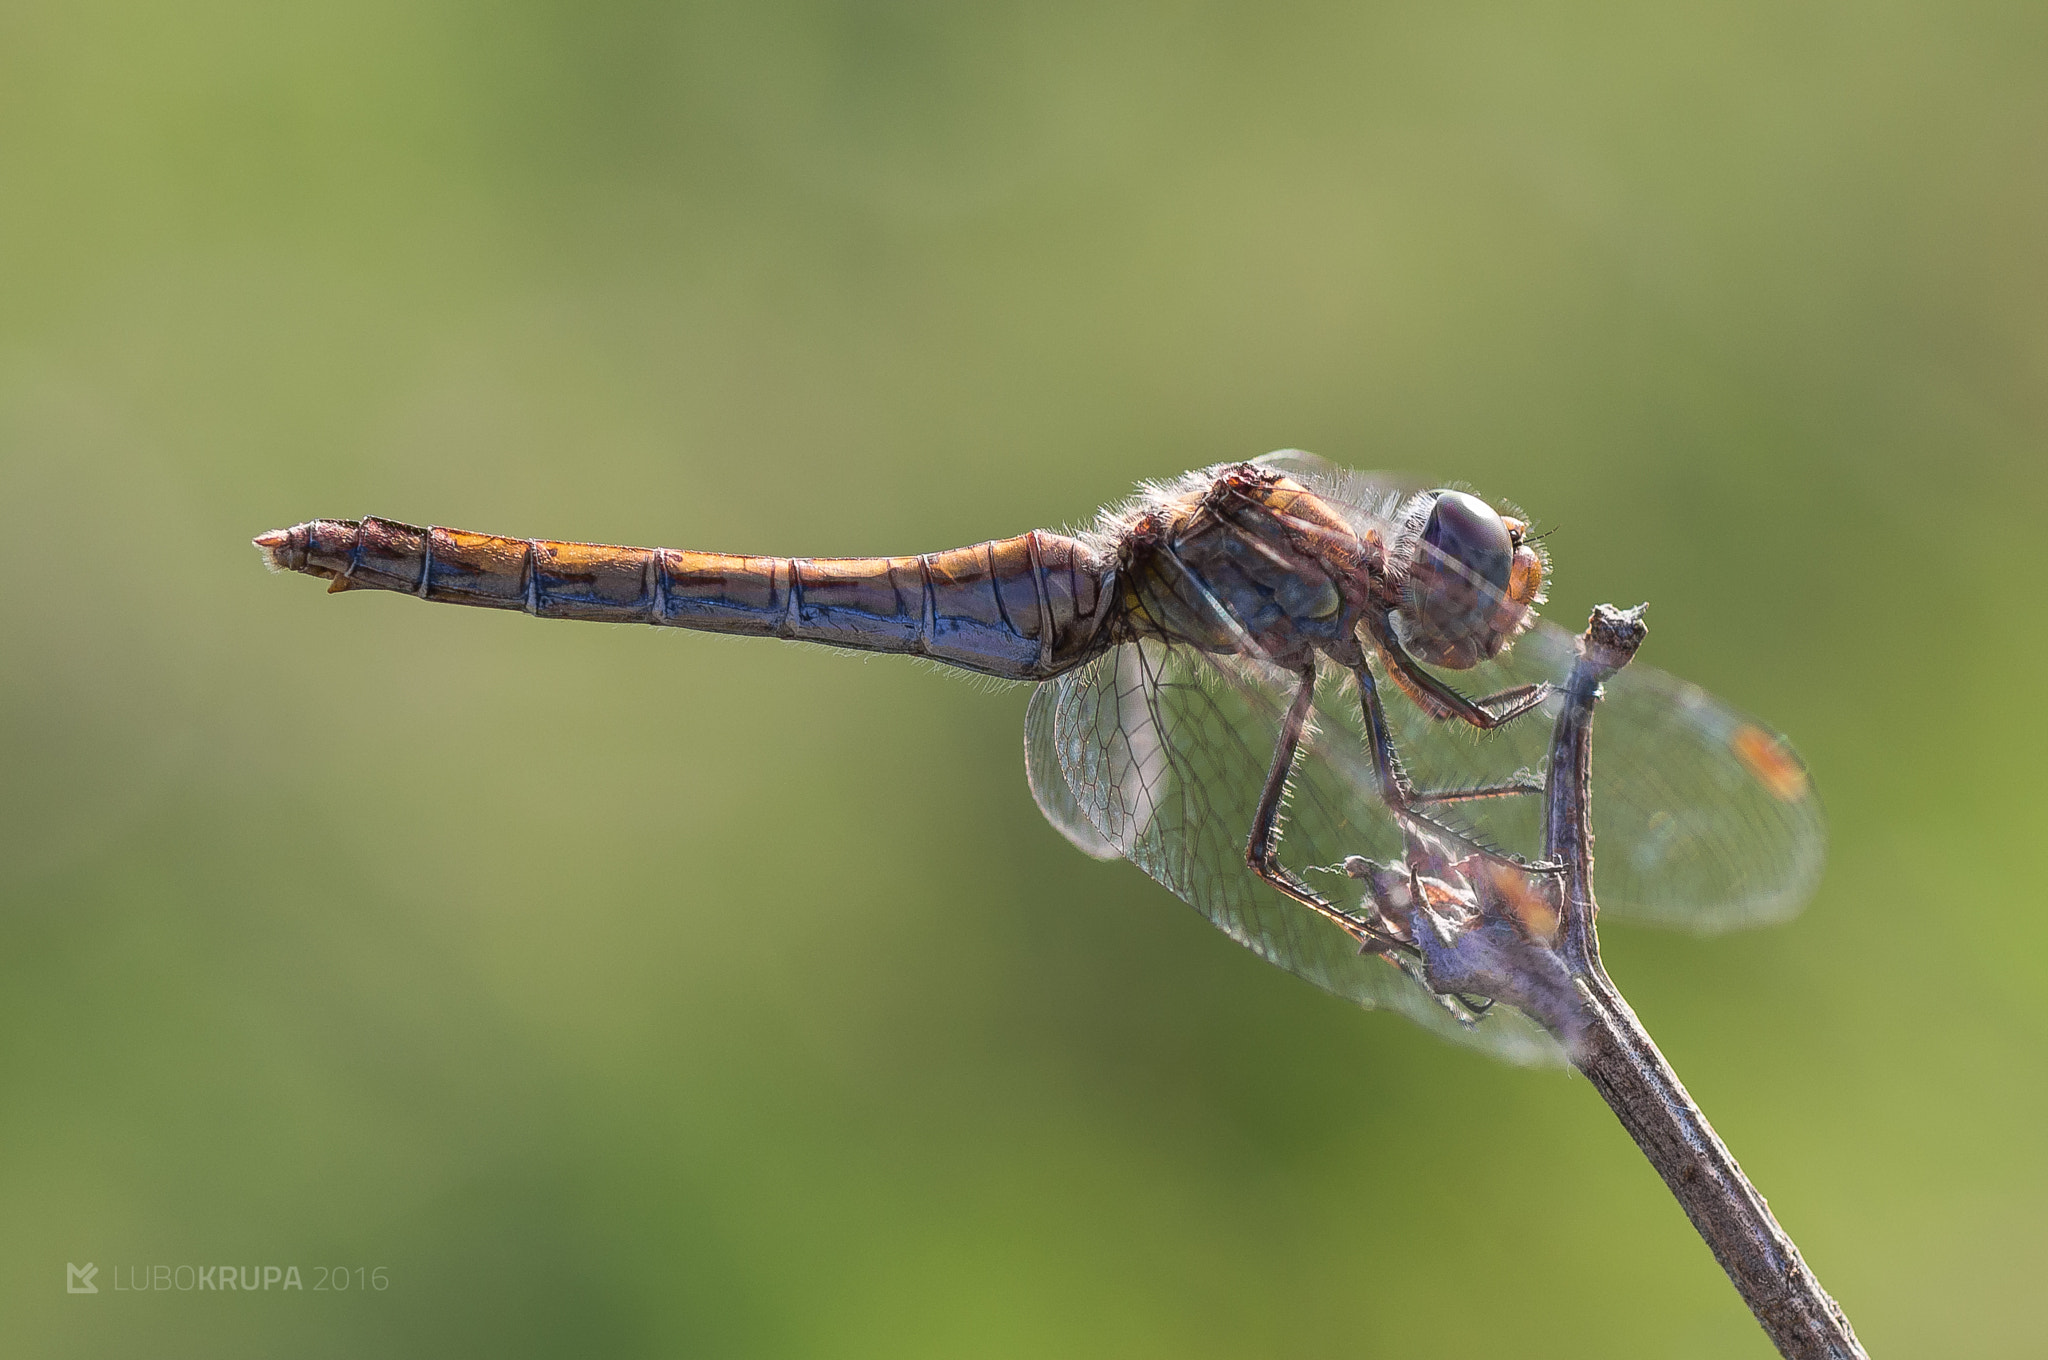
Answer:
(1022, 608)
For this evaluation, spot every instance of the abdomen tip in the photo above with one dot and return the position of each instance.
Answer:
(275, 547)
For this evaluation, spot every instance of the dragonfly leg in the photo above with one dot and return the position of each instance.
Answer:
(1262, 849)
(1441, 700)
(1508, 788)
(1404, 800)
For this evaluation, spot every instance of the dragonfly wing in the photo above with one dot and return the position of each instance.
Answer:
(1049, 786)
(1369, 498)
(1163, 751)
(1705, 819)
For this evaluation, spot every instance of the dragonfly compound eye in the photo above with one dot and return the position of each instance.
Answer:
(1458, 583)
(1468, 538)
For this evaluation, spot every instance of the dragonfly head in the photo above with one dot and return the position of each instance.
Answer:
(1471, 583)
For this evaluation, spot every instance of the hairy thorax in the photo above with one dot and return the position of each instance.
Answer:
(1254, 558)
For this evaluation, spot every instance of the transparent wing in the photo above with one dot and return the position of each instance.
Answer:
(1368, 497)
(1160, 752)
(1707, 820)
(1049, 787)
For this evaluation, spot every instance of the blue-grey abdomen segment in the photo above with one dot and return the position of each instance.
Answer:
(723, 593)
(1022, 608)
(870, 602)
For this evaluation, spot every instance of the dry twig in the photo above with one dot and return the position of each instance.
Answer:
(1485, 929)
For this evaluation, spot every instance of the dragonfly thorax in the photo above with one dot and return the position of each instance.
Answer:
(1253, 563)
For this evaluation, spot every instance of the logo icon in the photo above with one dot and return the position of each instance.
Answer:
(78, 1279)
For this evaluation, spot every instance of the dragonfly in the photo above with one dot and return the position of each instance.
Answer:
(1241, 687)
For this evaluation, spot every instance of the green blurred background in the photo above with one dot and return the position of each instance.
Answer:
(631, 992)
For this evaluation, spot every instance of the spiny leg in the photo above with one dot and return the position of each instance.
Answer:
(1406, 801)
(1440, 700)
(1262, 849)
(1507, 788)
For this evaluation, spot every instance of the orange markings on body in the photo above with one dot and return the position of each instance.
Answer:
(1437, 893)
(1525, 577)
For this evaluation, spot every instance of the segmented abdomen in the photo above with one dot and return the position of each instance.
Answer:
(1022, 608)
